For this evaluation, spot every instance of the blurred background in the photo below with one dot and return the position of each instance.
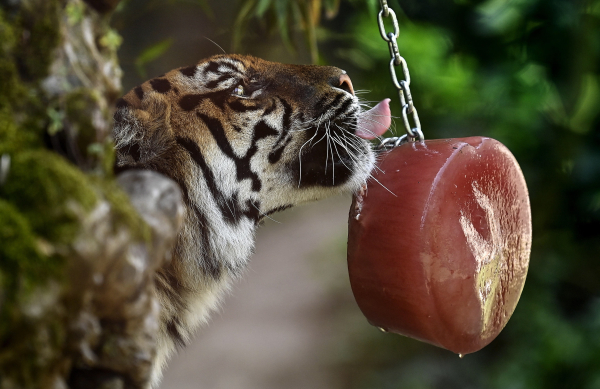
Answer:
(525, 72)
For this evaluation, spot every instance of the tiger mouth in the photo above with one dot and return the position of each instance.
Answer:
(374, 122)
(334, 151)
(367, 125)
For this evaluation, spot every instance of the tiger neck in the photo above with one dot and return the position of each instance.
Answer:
(214, 245)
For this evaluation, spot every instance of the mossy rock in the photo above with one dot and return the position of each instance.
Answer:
(12, 138)
(51, 193)
(124, 214)
(20, 256)
(40, 20)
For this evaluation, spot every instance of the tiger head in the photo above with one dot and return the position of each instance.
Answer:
(258, 136)
(243, 138)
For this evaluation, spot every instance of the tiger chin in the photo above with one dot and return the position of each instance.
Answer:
(243, 138)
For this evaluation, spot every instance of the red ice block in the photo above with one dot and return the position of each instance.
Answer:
(444, 258)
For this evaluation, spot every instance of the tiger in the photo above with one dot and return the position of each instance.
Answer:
(243, 138)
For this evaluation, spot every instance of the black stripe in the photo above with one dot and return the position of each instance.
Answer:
(278, 209)
(252, 211)
(322, 102)
(139, 92)
(120, 116)
(334, 103)
(190, 102)
(168, 284)
(342, 108)
(161, 85)
(190, 71)
(242, 164)
(194, 151)
(275, 155)
(238, 106)
(173, 330)
(228, 206)
(263, 130)
(122, 103)
(287, 117)
(213, 67)
(270, 109)
(135, 151)
(214, 83)
(209, 262)
(281, 143)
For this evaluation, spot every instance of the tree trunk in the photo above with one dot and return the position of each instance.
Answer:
(77, 301)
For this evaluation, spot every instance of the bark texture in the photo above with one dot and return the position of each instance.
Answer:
(77, 257)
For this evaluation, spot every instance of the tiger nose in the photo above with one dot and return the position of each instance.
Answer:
(346, 84)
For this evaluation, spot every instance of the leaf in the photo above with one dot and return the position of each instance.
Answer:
(111, 40)
(240, 23)
(206, 8)
(56, 120)
(203, 4)
(281, 9)
(262, 7)
(150, 54)
(332, 8)
(308, 15)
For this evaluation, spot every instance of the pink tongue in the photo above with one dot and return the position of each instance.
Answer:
(375, 121)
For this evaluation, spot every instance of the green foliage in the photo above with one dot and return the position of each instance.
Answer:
(150, 54)
(526, 73)
(111, 40)
(75, 12)
(284, 16)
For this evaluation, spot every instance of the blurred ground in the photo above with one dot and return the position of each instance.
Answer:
(277, 327)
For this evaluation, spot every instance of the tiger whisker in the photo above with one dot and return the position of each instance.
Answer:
(264, 214)
(300, 151)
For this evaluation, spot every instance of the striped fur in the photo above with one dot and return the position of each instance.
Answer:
(243, 138)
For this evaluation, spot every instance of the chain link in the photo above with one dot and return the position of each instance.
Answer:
(413, 132)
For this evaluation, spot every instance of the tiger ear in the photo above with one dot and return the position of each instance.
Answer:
(142, 130)
(155, 113)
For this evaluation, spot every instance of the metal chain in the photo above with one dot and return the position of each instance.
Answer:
(403, 86)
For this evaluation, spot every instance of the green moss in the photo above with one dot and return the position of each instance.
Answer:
(24, 269)
(10, 87)
(75, 12)
(28, 39)
(49, 192)
(109, 156)
(40, 22)
(20, 258)
(79, 106)
(12, 139)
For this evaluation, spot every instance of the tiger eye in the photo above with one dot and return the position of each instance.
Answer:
(239, 90)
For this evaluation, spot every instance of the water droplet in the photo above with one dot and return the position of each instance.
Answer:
(460, 356)
(382, 329)
(357, 216)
